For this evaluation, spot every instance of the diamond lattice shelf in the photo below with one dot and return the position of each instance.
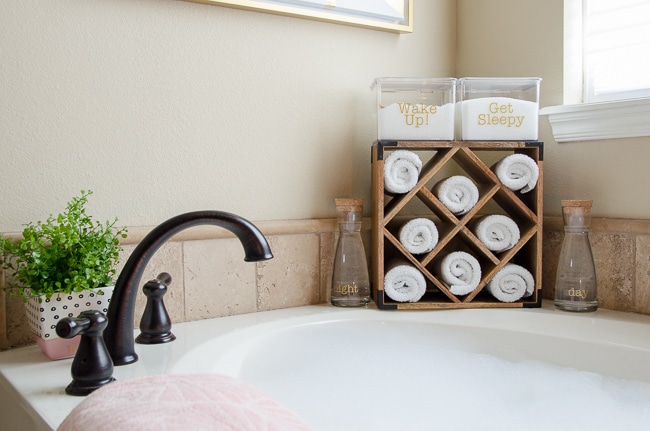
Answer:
(442, 159)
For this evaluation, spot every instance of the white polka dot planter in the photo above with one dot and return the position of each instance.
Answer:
(43, 315)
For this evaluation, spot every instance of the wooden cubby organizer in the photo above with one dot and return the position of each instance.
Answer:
(440, 160)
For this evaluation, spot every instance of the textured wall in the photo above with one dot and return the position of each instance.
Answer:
(526, 38)
(166, 106)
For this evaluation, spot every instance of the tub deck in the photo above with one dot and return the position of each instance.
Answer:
(338, 367)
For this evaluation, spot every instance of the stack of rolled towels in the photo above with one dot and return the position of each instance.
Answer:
(419, 235)
(497, 232)
(458, 193)
(518, 172)
(401, 171)
(403, 282)
(460, 271)
(511, 283)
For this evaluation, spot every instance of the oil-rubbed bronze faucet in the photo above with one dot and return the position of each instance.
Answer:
(118, 335)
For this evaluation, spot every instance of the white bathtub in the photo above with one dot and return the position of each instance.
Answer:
(364, 369)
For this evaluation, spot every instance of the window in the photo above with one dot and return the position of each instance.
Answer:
(616, 49)
(607, 54)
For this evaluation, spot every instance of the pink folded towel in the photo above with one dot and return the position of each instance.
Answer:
(200, 402)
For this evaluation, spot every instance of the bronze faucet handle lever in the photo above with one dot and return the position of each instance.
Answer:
(92, 366)
(70, 327)
(155, 324)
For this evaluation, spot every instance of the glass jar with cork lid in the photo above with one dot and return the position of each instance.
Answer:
(350, 281)
(575, 285)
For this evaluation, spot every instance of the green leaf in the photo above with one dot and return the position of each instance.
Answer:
(69, 252)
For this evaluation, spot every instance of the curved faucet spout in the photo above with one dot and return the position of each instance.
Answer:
(118, 335)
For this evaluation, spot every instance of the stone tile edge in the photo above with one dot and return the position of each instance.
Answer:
(609, 225)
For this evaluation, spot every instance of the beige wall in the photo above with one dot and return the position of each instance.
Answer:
(164, 106)
(525, 38)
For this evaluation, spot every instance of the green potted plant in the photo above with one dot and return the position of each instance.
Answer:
(60, 267)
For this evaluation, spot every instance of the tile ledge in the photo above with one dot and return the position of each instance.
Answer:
(604, 225)
(273, 227)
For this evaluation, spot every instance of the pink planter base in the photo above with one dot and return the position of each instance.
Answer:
(43, 314)
(58, 348)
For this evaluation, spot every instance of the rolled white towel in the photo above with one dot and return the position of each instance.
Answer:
(401, 171)
(458, 193)
(497, 232)
(518, 172)
(419, 235)
(460, 271)
(511, 283)
(403, 282)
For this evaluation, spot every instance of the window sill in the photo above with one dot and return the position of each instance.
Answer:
(595, 121)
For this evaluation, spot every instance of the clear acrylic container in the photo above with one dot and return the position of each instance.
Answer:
(415, 108)
(350, 280)
(493, 109)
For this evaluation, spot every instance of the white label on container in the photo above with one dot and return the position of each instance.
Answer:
(494, 118)
(416, 121)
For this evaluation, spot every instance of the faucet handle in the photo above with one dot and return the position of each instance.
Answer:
(92, 366)
(155, 324)
(165, 278)
(70, 327)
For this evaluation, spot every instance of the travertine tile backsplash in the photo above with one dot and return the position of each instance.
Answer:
(211, 278)
(621, 251)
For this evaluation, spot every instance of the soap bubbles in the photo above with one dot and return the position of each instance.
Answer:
(377, 375)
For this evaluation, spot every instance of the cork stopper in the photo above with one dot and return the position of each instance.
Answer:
(576, 213)
(577, 206)
(349, 204)
(349, 210)
(577, 203)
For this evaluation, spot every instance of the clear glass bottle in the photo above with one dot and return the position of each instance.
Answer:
(350, 282)
(575, 284)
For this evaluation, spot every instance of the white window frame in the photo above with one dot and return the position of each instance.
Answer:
(576, 121)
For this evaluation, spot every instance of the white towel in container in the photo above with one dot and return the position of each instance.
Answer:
(497, 232)
(458, 193)
(419, 235)
(401, 171)
(518, 172)
(403, 282)
(511, 283)
(460, 271)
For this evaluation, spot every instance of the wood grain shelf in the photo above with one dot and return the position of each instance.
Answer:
(442, 159)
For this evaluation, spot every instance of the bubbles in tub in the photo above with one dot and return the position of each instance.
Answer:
(338, 376)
